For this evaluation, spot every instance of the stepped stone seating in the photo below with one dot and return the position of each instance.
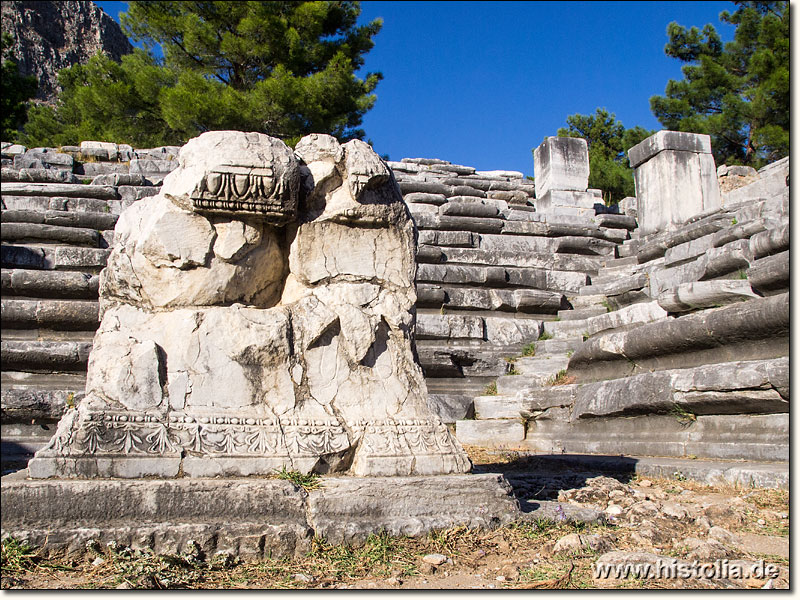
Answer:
(58, 215)
(492, 272)
(614, 318)
(679, 347)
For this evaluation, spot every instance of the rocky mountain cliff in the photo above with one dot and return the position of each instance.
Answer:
(52, 35)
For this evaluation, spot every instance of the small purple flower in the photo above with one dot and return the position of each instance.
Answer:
(560, 514)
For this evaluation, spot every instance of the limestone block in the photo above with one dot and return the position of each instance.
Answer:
(561, 163)
(705, 294)
(449, 327)
(554, 199)
(257, 314)
(110, 148)
(500, 330)
(675, 179)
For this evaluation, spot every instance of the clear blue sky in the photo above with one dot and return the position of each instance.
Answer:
(482, 83)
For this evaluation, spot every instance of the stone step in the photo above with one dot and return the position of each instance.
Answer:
(581, 313)
(557, 346)
(44, 356)
(47, 257)
(756, 474)
(501, 277)
(63, 218)
(451, 407)
(737, 437)
(566, 329)
(80, 315)
(51, 234)
(72, 190)
(510, 385)
(613, 263)
(646, 312)
(549, 364)
(531, 301)
(491, 433)
(477, 256)
(49, 284)
(616, 286)
(29, 396)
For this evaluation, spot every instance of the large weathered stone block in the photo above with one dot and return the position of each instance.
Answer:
(257, 314)
(675, 179)
(561, 163)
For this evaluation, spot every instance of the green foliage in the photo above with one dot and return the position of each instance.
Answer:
(491, 389)
(545, 336)
(529, 349)
(281, 68)
(307, 481)
(15, 91)
(738, 93)
(608, 142)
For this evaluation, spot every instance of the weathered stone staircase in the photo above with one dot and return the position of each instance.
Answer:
(680, 350)
(58, 216)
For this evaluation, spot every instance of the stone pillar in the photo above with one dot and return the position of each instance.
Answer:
(675, 177)
(561, 167)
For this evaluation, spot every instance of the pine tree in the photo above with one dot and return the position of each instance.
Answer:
(737, 92)
(281, 68)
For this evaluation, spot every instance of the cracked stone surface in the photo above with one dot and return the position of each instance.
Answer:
(257, 314)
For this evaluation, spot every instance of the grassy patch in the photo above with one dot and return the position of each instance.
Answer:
(530, 349)
(561, 378)
(307, 481)
(545, 336)
(683, 416)
(491, 389)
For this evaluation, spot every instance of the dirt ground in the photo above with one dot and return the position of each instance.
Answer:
(641, 521)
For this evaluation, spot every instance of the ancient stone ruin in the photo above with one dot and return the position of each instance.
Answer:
(257, 315)
(176, 319)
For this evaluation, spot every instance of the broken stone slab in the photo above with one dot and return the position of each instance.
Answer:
(92, 170)
(738, 232)
(655, 246)
(629, 315)
(665, 279)
(35, 159)
(585, 245)
(37, 175)
(561, 163)
(770, 273)
(147, 167)
(91, 220)
(615, 288)
(770, 241)
(553, 199)
(730, 258)
(478, 256)
(705, 294)
(251, 519)
(741, 323)
(769, 184)
(724, 388)
(500, 173)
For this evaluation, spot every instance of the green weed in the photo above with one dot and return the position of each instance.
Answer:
(683, 416)
(307, 481)
(491, 389)
(529, 350)
(545, 336)
(561, 378)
